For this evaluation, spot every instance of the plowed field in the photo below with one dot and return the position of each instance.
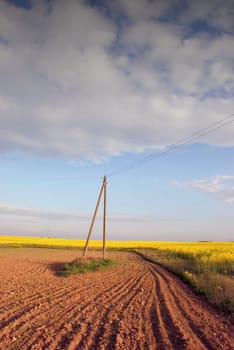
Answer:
(135, 305)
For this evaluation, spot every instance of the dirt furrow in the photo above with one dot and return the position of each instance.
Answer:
(149, 341)
(204, 321)
(90, 314)
(48, 289)
(176, 326)
(196, 336)
(157, 322)
(132, 330)
(21, 321)
(45, 319)
(112, 319)
(62, 323)
(136, 305)
(52, 293)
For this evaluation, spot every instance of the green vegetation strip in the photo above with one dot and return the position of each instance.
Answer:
(214, 281)
(85, 265)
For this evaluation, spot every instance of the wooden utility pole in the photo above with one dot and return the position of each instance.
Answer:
(104, 220)
(103, 188)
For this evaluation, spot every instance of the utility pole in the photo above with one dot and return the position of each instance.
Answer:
(104, 220)
(103, 189)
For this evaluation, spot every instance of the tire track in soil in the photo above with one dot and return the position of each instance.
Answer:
(196, 312)
(176, 331)
(188, 324)
(148, 326)
(157, 322)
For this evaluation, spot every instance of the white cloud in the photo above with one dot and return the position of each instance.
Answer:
(75, 84)
(7, 209)
(138, 9)
(46, 215)
(221, 187)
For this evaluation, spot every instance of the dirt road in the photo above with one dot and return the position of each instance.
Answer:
(136, 305)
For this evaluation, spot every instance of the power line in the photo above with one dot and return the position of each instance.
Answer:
(74, 178)
(59, 179)
(204, 131)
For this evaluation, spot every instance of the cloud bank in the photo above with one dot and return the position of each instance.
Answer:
(220, 187)
(46, 215)
(87, 81)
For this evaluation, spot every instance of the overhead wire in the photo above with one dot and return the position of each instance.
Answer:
(59, 179)
(188, 139)
(184, 141)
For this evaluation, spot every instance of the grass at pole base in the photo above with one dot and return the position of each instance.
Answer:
(85, 265)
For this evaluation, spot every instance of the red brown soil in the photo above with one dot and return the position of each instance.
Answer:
(135, 305)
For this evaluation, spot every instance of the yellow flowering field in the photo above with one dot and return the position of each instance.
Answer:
(205, 256)
(190, 247)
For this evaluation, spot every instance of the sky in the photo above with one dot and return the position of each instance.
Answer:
(89, 88)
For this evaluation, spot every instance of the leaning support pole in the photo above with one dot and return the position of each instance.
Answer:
(93, 220)
(104, 220)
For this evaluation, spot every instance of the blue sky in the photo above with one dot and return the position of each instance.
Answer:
(89, 87)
